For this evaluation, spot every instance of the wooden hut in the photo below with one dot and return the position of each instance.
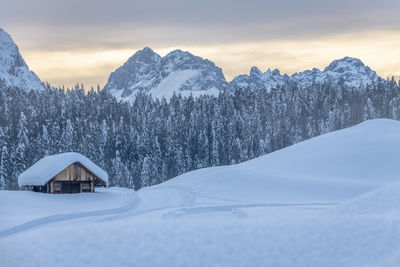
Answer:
(63, 173)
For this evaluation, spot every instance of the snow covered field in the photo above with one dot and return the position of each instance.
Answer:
(333, 200)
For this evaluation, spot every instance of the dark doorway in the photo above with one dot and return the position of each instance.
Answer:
(42, 189)
(70, 188)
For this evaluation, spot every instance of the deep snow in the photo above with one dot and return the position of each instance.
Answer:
(329, 201)
(329, 168)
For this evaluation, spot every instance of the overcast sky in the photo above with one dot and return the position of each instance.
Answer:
(66, 42)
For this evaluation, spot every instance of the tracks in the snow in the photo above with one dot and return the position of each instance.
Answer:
(131, 204)
(179, 194)
(181, 199)
(235, 208)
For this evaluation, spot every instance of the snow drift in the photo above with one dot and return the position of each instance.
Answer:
(332, 167)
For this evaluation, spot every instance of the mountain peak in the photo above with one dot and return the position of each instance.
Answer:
(254, 71)
(179, 71)
(146, 55)
(276, 72)
(182, 72)
(178, 52)
(342, 64)
(351, 70)
(181, 57)
(13, 69)
(147, 49)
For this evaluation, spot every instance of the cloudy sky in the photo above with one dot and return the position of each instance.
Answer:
(72, 41)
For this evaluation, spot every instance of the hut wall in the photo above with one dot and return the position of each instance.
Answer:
(74, 178)
(75, 172)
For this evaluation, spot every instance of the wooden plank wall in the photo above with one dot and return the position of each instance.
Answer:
(75, 172)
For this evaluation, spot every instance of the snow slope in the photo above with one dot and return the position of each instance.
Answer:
(331, 167)
(173, 82)
(306, 205)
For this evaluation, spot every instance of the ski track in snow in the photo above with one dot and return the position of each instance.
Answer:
(183, 201)
(235, 208)
(130, 209)
(131, 204)
(184, 197)
(188, 204)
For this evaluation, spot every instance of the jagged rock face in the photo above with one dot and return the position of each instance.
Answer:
(207, 74)
(140, 73)
(184, 73)
(351, 71)
(258, 80)
(13, 69)
(179, 72)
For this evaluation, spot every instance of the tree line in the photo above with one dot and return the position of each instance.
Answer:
(150, 141)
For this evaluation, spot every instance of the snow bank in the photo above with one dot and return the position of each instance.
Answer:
(328, 168)
(383, 200)
(48, 167)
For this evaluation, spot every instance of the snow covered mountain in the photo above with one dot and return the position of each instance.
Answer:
(351, 71)
(184, 73)
(13, 69)
(179, 72)
(258, 80)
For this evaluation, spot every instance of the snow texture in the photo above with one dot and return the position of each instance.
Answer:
(329, 168)
(13, 69)
(329, 201)
(48, 167)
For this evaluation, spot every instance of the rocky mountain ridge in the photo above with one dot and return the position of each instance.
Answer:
(182, 73)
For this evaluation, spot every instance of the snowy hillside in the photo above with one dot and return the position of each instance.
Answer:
(351, 71)
(13, 69)
(331, 167)
(179, 72)
(328, 201)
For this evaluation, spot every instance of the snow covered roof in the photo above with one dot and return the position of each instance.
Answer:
(45, 169)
